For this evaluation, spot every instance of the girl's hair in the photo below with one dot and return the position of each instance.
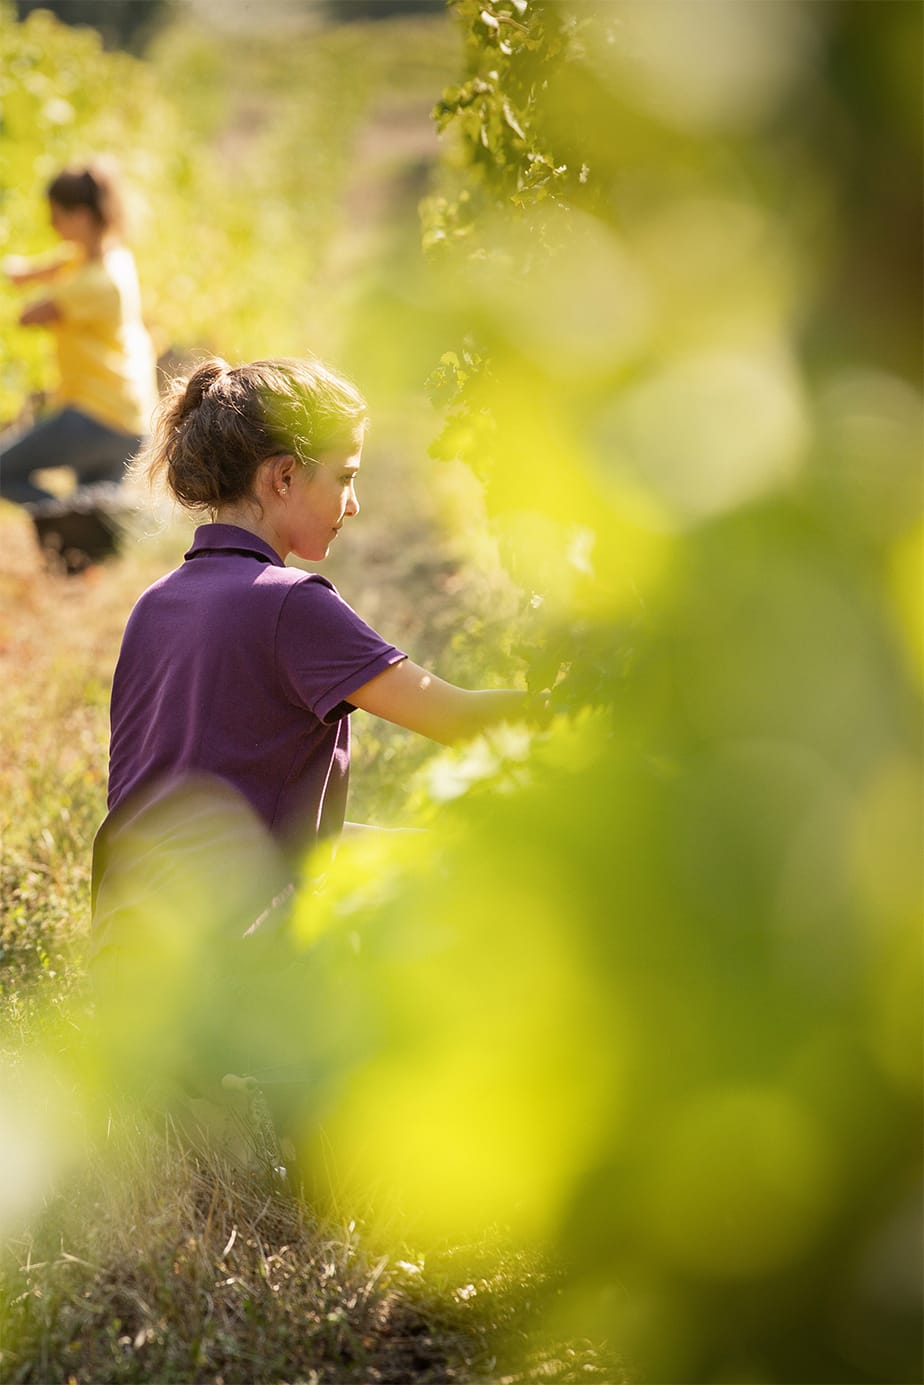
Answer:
(212, 431)
(94, 186)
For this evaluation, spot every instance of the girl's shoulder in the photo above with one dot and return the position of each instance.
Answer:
(309, 584)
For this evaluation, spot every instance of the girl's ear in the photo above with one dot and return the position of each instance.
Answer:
(276, 474)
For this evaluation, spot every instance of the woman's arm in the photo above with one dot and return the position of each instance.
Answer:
(39, 314)
(20, 270)
(409, 696)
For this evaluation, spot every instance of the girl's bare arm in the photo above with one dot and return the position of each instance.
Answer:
(20, 270)
(410, 696)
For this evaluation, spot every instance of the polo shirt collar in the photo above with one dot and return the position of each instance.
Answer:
(230, 538)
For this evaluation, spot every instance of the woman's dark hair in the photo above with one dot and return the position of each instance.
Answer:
(93, 186)
(213, 430)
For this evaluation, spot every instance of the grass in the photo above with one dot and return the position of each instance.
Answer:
(170, 1264)
(58, 640)
(156, 1255)
(185, 1272)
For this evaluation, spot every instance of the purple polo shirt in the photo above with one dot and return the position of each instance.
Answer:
(237, 666)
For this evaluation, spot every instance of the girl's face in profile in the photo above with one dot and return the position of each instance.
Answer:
(71, 223)
(320, 499)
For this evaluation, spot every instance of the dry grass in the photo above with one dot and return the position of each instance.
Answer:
(58, 642)
(164, 1261)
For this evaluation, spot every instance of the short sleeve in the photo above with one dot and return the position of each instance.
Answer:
(89, 294)
(324, 650)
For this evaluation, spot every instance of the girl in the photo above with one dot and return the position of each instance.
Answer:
(237, 665)
(91, 302)
(237, 676)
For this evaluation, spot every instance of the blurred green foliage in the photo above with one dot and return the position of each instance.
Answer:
(651, 994)
(647, 994)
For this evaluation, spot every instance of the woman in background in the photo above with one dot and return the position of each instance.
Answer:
(92, 304)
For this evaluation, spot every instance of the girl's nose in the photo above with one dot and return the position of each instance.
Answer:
(352, 505)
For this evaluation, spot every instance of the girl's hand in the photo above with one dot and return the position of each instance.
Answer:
(17, 269)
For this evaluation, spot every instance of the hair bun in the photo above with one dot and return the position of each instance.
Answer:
(200, 382)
